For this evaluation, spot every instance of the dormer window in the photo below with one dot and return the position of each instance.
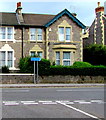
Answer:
(65, 34)
(6, 33)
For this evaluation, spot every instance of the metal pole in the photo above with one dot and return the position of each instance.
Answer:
(34, 71)
(37, 73)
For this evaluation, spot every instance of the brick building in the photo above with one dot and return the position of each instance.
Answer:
(55, 37)
(96, 33)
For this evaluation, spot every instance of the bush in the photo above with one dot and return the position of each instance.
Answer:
(27, 66)
(81, 64)
(95, 54)
(5, 69)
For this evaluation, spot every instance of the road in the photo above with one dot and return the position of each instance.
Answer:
(85, 103)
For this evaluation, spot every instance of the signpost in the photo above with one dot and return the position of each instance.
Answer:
(35, 75)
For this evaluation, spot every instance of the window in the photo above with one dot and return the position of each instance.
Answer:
(38, 53)
(66, 58)
(65, 34)
(32, 34)
(32, 54)
(2, 58)
(36, 34)
(10, 58)
(6, 33)
(57, 58)
(39, 34)
(68, 31)
(6, 58)
(61, 34)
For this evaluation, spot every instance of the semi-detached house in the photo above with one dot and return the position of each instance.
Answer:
(55, 37)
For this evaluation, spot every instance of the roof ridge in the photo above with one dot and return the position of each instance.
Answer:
(38, 14)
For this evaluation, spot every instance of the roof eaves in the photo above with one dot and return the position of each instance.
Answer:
(69, 14)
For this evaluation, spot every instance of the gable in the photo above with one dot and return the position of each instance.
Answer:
(65, 12)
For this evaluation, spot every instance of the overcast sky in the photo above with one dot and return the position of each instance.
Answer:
(84, 9)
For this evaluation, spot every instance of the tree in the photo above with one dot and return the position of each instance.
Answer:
(95, 54)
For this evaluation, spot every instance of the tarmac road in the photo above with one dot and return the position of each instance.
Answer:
(84, 103)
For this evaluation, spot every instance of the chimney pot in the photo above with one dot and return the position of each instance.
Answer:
(18, 4)
(98, 4)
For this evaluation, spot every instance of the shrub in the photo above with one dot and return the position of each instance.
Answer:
(81, 64)
(95, 54)
(5, 69)
(27, 66)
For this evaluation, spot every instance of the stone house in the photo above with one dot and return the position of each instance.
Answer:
(55, 37)
(96, 33)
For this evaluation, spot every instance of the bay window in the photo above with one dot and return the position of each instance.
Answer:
(57, 58)
(66, 58)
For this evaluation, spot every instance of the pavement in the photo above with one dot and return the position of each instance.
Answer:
(49, 85)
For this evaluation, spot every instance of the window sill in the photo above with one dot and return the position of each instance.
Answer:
(7, 40)
(36, 41)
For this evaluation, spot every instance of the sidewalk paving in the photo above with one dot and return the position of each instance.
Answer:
(50, 85)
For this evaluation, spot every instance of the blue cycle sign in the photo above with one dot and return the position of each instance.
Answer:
(35, 59)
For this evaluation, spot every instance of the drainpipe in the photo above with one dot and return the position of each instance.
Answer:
(22, 36)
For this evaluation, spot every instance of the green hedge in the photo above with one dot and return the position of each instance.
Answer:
(45, 68)
(86, 71)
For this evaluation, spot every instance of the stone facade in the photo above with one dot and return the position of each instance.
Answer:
(95, 34)
(22, 46)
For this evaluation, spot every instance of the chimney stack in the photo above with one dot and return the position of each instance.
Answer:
(19, 13)
(99, 8)
(19, 8)
(105, 8)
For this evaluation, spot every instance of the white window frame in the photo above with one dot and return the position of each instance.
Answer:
(6, 48)
(64, 34)
(6, 33)
(36, 34)
(56, 57)
(67, 60)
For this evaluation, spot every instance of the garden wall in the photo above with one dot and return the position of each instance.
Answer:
(28, 78)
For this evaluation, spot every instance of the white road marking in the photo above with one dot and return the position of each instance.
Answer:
(45, 101)
(78, 110)
(84, 102)
(11, 103)
(63, 101)
(53, 102)
(27, 101)
(70, 103)
(49, 103)
(96, 101)
(30, 103)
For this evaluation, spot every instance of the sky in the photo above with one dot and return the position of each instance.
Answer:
(84, 9)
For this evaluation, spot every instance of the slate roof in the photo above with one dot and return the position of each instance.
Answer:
(8, 19)
(37, 19)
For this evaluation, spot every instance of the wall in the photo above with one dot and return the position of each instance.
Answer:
(28, 78)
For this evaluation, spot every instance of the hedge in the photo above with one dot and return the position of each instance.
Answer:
(86, 71)
(78, 68)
